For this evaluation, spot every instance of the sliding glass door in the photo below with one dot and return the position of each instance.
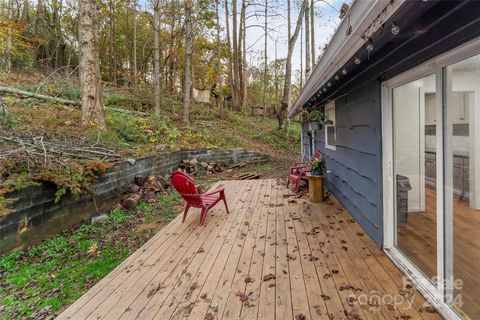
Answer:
(414, 132)
(431, 151)
(462, 184)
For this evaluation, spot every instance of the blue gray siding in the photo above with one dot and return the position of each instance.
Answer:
(354, 169)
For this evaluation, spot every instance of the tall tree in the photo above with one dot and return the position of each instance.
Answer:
(235, 55)
(285, 103)
(91, 90)
(112, 63)
(8, 56)
(219, 60)
(133, 65)
(188, 61)
(307, 42)
(231, 80)
(156, 55)
(244, 75)
(312, 32)
(265, 67)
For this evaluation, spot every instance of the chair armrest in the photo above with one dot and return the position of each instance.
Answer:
(214, 192)
(199, 188)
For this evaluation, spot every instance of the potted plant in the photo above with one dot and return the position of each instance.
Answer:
(316, 179)
(317, 164)
(315, 118)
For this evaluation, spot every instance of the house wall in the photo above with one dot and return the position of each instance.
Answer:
(354, 168)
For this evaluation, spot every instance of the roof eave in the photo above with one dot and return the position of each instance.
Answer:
(364, 17)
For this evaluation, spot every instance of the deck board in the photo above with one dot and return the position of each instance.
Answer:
(319, 264)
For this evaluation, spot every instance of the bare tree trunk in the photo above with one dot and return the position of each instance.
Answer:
(91, 89)
(307, 43)
(188, 60)
(265, 67)
(60, 45)
(276, 73)
(285, 103)
(312, 32)
(110, 41)
(219, 62)
(134, 49)
(236, 71)
(156, 55)
(231, 80)
(301, 58)
(244, 60)
(40, 30)
(289, 20)
(8, 55)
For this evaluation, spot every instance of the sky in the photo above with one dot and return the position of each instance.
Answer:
(326, 21)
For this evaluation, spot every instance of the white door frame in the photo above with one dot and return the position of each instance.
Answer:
(434, 293)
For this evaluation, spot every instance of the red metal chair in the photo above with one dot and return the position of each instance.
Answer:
(192, 193)
(298, 173)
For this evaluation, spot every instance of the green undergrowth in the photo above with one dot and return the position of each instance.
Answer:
(137, 135)
(53, 274)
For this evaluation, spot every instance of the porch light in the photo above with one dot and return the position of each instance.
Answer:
(357, 60)
(395, 29)
(344, 71)
(370, 47)
(337, 77)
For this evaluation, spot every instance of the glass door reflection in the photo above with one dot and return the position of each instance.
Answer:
(414, 151)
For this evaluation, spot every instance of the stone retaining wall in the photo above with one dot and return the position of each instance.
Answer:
(35, 215)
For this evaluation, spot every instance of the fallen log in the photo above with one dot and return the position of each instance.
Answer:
(61, 101)
(38, 96)
(238, 165)
(131, 201)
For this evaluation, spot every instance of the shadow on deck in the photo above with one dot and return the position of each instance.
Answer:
(275, 256)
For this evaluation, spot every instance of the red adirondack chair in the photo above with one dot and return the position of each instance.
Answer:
(194, 196)
(298, 173)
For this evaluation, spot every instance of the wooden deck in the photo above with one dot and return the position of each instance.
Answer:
(274, 256)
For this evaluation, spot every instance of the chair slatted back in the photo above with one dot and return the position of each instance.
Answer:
(301, 169)
(185, 186)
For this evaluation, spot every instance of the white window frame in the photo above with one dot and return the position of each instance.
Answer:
(328, 106)
(434, 293)
(311, 140)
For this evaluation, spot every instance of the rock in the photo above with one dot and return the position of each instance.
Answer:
(131, 201)
(160, 147)
(133, 188)
(99, 219)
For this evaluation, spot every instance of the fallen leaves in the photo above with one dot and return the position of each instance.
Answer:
(152, 292)
(245, 299)
(269, 277)
(291, 257)
(351, 300)
(209, 316)
(249, 279)
(300, 316)
(93, 248)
